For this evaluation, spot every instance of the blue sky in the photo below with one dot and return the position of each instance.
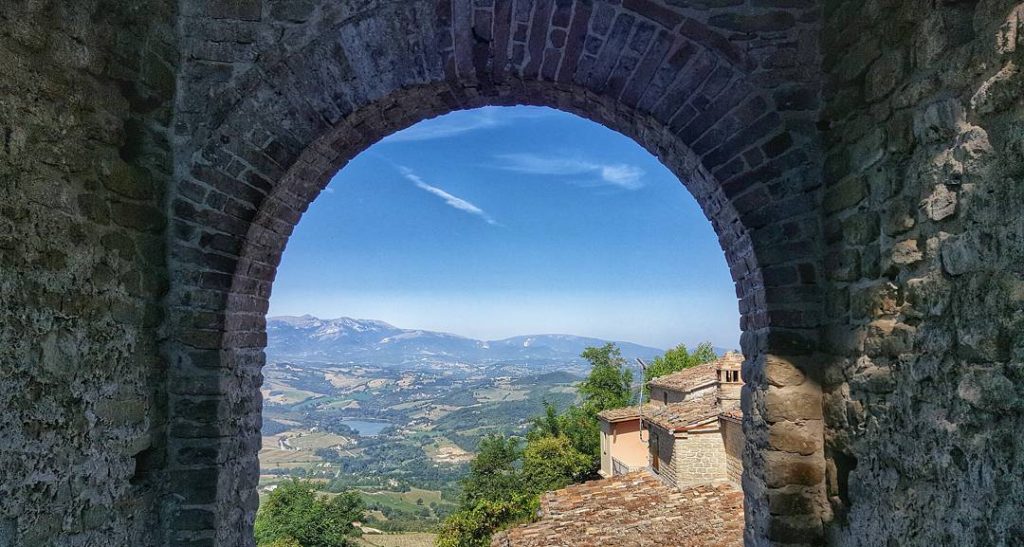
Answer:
(503, 221)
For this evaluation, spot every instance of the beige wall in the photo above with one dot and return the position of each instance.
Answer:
(621, 441)
(627, 446)
(732, 434)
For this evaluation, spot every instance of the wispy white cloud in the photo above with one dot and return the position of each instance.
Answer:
(466, 121)
(629, 177)
(450, 200)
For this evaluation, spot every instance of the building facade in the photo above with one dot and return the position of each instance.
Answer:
(689, 432)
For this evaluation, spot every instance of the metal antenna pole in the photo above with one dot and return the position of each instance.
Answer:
(640, 410)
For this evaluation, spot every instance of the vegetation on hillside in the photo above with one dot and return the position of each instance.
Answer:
(295, 514)
(401, 481)
(507, 476)
(437, 420)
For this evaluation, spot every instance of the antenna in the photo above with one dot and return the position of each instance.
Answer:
(640, 409)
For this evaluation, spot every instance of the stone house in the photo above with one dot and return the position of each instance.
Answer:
(672, 469)
(689, 432)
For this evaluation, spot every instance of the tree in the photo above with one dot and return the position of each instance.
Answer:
(474, 526)
(583, 430)
(610, 383)
(679, 358)
(551, 463)
(494, 474)
(295, 513)
(505, 480)
(548, 425)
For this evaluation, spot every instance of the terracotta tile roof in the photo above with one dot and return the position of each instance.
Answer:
(632, 510)
(626, 412)
(694, 377)
(685, 413)
(734, 414)
(688, 378)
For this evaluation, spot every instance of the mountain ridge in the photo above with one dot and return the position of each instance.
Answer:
(372, 341)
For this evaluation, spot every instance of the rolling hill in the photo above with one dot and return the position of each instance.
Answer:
(347, 340)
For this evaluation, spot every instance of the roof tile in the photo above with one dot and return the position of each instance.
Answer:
(685, 413)
(632, 510)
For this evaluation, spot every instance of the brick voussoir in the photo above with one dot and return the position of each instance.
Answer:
(736, 143)
(642, 67)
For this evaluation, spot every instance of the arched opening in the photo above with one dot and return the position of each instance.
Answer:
(141, 140)
(719, 119)
(474, 257)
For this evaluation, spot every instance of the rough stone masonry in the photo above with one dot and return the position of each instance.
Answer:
(860, 160)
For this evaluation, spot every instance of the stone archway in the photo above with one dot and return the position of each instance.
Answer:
(734, 124)
(157, 146)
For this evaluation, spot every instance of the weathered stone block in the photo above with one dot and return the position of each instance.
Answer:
(794, 403)
(906, 252)
(884, 74)
(803, 437)
(122, 412)
(941, 204)
(782, 372)
(784, 469)
(846, 193)
(938, 121)
(961, 254)
(988, 389)
(794, 529)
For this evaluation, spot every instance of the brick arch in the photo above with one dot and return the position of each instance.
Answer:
(710, 92)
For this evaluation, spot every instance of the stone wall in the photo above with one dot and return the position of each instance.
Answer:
(699, 457)
(662, 446)
(732, 437)
(925, 236)
(274, 98)
(662, 396)
(865, 188)
(85, 100)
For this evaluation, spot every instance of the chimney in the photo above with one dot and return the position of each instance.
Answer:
(730, 380)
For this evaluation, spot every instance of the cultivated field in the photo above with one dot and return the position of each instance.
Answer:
(414, 539)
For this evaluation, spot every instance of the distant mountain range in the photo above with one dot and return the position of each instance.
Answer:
(346, 340)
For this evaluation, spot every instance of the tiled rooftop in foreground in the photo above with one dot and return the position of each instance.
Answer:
(633, 510)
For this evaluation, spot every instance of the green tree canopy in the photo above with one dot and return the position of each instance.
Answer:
(505, 480)
(547, 425)
(551, 463)
(610, 383)
(495, 472)
(295, 514)
(474, 526)
(679, 358)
